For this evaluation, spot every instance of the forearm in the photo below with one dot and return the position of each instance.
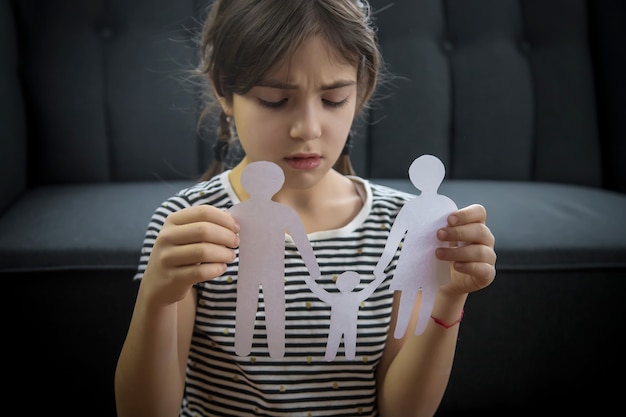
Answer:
(416, 378)
(148, 379)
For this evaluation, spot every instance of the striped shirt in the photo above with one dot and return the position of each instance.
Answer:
(302, 382)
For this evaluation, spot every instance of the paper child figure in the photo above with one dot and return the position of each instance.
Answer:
(261, 255)
(418, 222)
(344, 310)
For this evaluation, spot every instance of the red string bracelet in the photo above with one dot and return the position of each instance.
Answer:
(446, 325)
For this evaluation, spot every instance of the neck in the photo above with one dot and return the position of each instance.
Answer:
(334, 193)
(235, 180)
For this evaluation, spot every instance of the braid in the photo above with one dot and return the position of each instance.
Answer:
(344, 164)
(220, 148)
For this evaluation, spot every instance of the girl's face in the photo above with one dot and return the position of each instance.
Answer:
(299, 115)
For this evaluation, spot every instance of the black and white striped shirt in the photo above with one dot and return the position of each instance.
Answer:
(302, 382)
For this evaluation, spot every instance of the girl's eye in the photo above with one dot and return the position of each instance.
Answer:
(272, 104)
(277, 104)
(335, 104)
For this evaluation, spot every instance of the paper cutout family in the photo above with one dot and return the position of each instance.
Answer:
(261, 259)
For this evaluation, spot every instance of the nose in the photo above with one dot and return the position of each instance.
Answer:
(307, 124)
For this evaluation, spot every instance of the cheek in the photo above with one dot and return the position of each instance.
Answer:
(341, 125)
(250, 124)
(256, 134)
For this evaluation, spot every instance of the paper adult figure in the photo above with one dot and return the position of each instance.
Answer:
(263, 224)
(344, 310)
(417, 223)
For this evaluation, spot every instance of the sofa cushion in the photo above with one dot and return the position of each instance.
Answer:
(92, 226)
(538, 226)
(545, 226)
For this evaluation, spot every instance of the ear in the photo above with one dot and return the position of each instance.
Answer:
(224, 103)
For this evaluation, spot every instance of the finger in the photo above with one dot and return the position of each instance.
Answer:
(482, 273)
(204, 213)
(474, 213)
(199, 232)
(467, 253)
(194, 274)
(195, 254)
(469, 233)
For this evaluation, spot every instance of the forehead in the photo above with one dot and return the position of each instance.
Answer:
(314, 56)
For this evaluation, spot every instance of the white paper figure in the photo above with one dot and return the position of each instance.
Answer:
(418, 222)
(344, 310)
(262, 255)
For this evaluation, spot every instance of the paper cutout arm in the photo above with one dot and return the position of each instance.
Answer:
(396, 234)
(365, 293)
(321, 293)
(298, 234)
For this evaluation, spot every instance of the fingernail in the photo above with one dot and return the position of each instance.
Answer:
(452, 220)
(442, 234)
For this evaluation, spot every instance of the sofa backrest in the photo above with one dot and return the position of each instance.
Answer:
(103, 83)
(499, 89)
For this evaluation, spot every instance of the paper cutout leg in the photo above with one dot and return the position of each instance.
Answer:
(275, 309)
(245, 313)
(405, 307)
(416, 226)
(263, 225)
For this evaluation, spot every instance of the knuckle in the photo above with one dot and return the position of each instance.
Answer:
(210, 271)
(204, 209)
(459, 234)
(482, 210)
(485, 252)
(203, 231)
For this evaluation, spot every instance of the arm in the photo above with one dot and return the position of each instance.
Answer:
(414, 371)
(194, 245)
(151, 368)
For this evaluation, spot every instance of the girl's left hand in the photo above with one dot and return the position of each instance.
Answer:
(471, 250)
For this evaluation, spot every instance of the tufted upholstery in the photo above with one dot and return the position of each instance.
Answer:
(126, 91)
(534, 98)
(523, 100)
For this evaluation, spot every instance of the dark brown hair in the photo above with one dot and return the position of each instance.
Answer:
(242, 39)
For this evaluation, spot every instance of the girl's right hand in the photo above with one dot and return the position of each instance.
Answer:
(194, 245)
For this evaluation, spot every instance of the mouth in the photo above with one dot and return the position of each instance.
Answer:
(304, 161)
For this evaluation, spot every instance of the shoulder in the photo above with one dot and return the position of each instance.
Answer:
(212, 192)
(387, 194)
(387, 191)
(382, 202)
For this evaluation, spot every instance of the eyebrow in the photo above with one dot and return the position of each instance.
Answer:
(286, 86)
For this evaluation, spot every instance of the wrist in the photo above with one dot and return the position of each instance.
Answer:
(448, 308)
(448, 325)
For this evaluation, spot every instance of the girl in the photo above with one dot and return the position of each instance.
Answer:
(290, 78)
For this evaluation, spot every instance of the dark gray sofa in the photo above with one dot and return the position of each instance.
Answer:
(524, 101)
